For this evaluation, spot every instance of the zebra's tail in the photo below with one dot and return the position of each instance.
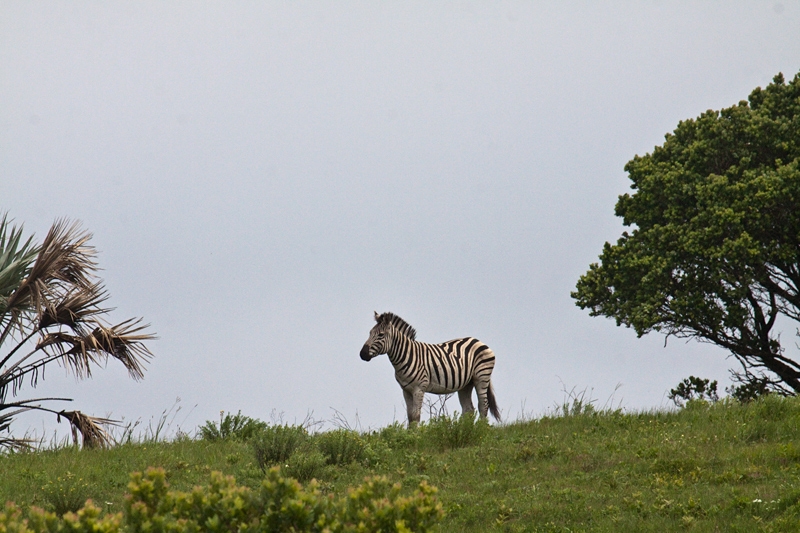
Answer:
(493, 403)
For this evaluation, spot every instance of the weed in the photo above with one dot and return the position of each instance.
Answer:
(436, 405)
(575, 404)
(156, 430)
(418, 460)
(539, 449)
(66, 494)
(340, 421)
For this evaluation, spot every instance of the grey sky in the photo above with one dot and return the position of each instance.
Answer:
(259, 177)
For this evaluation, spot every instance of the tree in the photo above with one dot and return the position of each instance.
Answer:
(50, 291)
(714, 249)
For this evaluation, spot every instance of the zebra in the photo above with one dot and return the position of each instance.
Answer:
(454, 366)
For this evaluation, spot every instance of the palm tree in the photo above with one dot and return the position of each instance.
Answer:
(50, 291)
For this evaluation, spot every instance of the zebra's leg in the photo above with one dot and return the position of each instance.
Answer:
(413, 399)
(482, 388)
(465, 398)
(419, 394)
(408, 396)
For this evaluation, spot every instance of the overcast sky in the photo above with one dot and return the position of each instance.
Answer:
(260, 177)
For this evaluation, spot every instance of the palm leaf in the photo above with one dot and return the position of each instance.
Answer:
(90, 428)
(50, 290)
(124, 342)
(64, 259)
(74, 307)
(6, 418)
(15, 264)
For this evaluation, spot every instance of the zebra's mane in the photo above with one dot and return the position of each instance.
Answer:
(401, 325)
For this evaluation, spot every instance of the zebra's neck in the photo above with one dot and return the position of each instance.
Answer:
(401, 350)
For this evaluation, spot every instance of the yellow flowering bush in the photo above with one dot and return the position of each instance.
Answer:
(280, 504)
(66, 494)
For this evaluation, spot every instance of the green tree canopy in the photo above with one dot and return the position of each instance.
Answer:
(714, 249)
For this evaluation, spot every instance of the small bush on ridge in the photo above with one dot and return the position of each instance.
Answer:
(376, 452)
(341, 447)
(232, 427)
(398, 437)
(276, 444)
(456, 431)
(694, 389)
(305, 464)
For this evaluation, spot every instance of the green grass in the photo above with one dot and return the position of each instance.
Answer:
(722, 467)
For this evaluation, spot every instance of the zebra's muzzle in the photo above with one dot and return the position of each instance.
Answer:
(365, 353)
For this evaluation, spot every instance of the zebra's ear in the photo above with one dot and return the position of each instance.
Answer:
(377, 316)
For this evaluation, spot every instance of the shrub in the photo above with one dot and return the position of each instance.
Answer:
(280, 504)
(376, 452)
(87, 520)
(456, 432)
(237, 427)
(341, 446)
(305, 464)
(276, 444)
(398, 437)
(694, 389)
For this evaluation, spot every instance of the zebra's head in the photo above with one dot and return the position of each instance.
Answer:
(381, 335)
(377, 343)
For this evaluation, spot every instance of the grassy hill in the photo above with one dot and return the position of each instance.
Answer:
(721, 467)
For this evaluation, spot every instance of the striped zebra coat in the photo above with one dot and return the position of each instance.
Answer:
(459, 365)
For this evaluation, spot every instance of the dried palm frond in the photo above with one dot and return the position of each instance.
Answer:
(123, 342)
(65, 256)
(78, 352)
(68, 350)
(75, 307)
(90, 428)
(63, 260)
(6, 418)
(61, 349)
